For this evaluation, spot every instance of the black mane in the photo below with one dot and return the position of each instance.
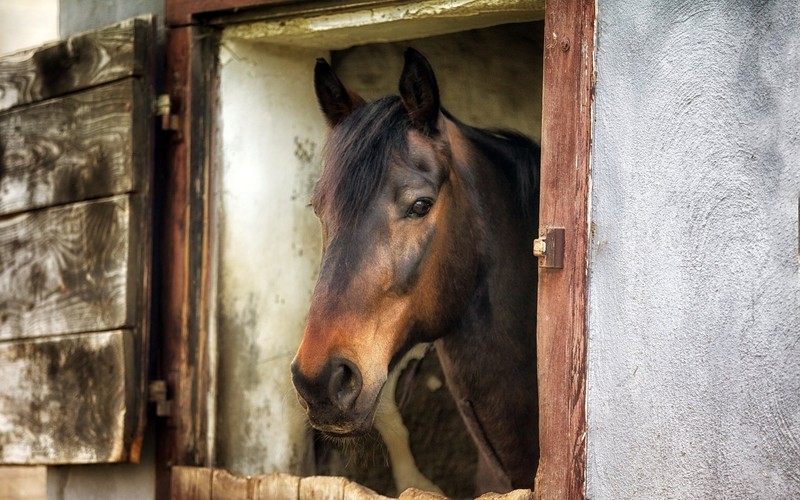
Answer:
(358, 154)
(360, 148)
(517, 156)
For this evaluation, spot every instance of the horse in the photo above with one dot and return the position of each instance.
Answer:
(427, 225)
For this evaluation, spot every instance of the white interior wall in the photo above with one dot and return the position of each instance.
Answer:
(27, 24)
(271, 135)
(489, 78)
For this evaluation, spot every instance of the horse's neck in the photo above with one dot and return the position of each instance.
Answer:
(492, 377)
(490, 365)
(489, 360)
(492, 352)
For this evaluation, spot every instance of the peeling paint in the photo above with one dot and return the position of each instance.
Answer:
(388, 23)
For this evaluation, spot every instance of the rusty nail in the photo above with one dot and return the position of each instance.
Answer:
(565, 44)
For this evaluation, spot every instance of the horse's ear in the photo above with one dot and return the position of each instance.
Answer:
(419, 92)
(335, 100)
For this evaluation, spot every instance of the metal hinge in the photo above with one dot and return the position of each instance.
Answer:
(169, 121)
(549, 247)
(158, 395)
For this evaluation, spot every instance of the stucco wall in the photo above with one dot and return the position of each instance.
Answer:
(76, 16)
(694, 288)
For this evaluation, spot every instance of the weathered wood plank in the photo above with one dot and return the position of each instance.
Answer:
(180, 12)
(279, 486)
(204, 482)
(75, 63)
(186, 251)
(65, 399)
(66, 269)
(355, 491)
(72, 148)
(191, 483)
(225, 485)
(561, 327)
(322, 488)
(179, 444)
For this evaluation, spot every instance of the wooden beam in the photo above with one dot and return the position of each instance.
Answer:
(75, 63)
(65, 269)
(561, 336)
(183, 12)
(175, 441)
(65, 400)
(186, 251)
(218, 484)
(72, 148)
(193, 483)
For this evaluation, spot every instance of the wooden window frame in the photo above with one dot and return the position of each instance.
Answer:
(568, 89)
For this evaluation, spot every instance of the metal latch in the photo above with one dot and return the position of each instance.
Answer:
(158, 395)
(549, 247)
(169, 121)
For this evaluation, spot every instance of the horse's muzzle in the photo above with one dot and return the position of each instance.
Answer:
(330, 397)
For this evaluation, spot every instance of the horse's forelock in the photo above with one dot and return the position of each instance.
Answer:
(357, 156)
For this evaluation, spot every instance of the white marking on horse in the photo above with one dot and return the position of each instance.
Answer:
(389, 424)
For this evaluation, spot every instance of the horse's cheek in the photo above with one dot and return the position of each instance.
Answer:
(414, 259)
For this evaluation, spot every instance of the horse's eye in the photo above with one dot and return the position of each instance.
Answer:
(420, 208)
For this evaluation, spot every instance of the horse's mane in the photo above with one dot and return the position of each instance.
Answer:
(359, 150)
(357, 156)
(518, 158)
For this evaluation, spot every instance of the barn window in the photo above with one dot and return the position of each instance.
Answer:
(252, 101)
(270, 140)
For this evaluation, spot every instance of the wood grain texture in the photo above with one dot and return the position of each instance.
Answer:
(72, 148)
(66, 269)
(191, 483)
(184, 355)
(277, 486)
(219, 484)
(226, 485)
(75, 63)
(64, 400)
(75, 246)
(561, 329)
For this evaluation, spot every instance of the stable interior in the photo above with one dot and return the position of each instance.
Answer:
(270, 135)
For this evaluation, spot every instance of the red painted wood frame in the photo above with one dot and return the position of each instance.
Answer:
(567, 93)
(566, 142)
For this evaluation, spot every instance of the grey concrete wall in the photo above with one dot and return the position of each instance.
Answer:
(694, 287)
(76, 16)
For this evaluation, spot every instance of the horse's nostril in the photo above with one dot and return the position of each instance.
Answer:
(337, 386)
(345, 384)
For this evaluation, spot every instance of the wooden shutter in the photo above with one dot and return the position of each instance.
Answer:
(75, 246)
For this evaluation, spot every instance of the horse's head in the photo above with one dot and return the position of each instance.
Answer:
(396, 260)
